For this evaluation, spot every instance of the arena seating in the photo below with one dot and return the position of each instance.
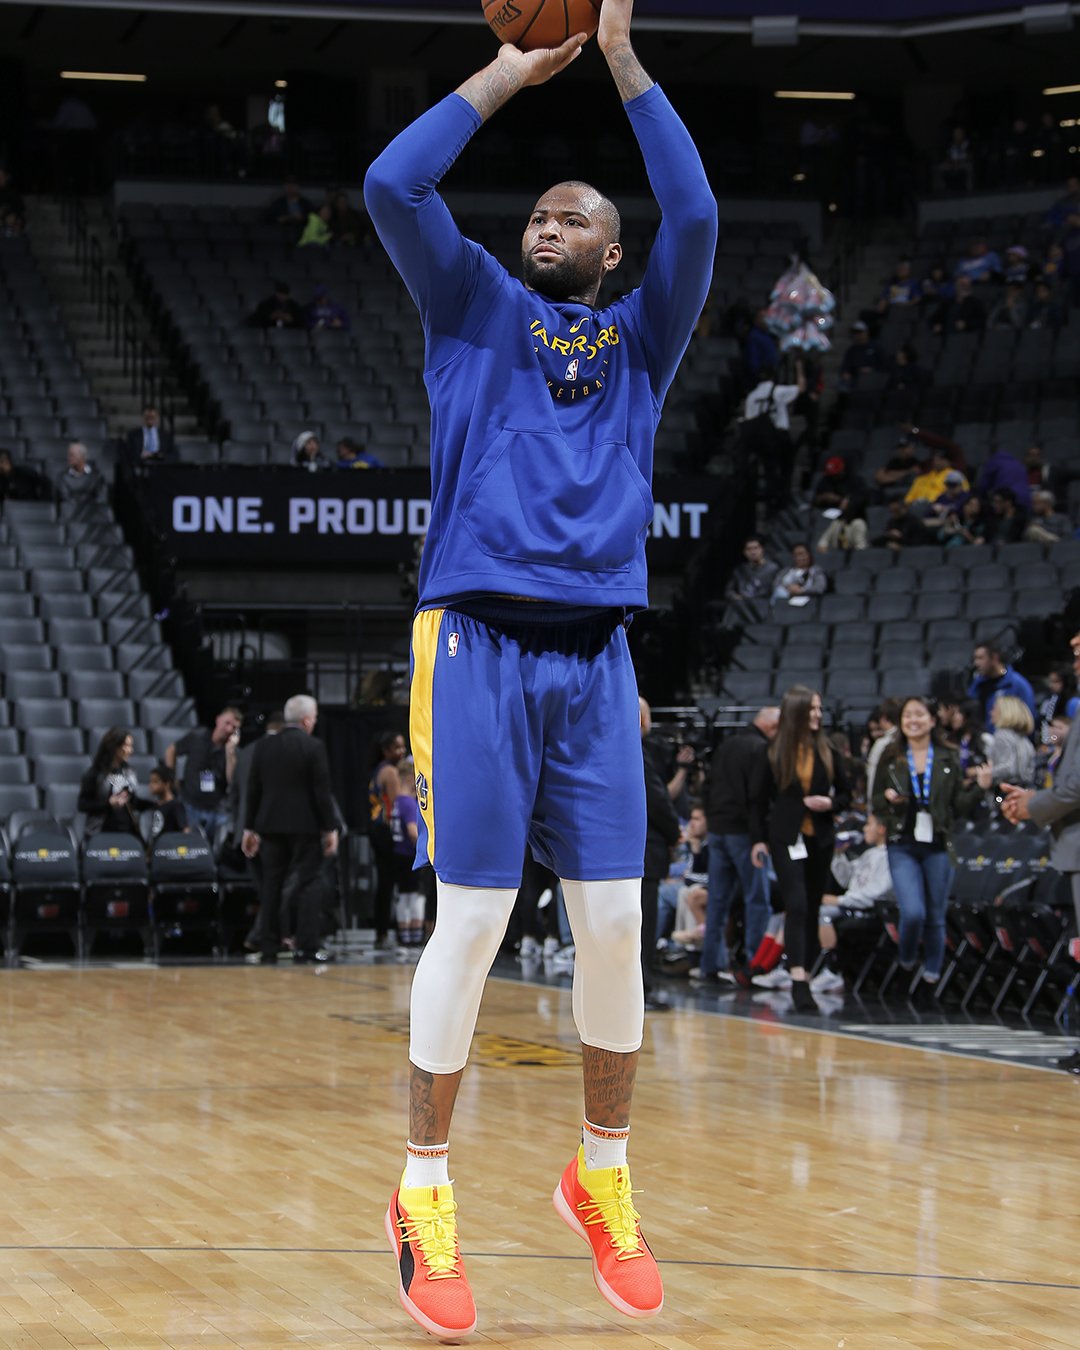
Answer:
(45, 397)
(205, 274)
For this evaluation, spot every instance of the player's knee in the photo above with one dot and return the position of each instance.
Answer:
(622, 938)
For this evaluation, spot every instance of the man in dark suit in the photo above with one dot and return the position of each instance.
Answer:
(150, 444)
(290, 822)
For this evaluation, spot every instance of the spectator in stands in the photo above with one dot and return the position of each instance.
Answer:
(1053, 269)
(900, 289)
(932, 482)
(1007, 522)
(19, 483)
(766, 432)
(1004, 470)
(307, 453)
(405, 830)
(964, 313)
(937, 286)
(967, 526)
(279, 310)
(290, 210)
(317, 232)
(351, 456)
(1060, 691)
(753, 579)
(1018, 269)
(170, 815)
(802, 578)
(863, 356)
(866, 879)
(981, 264)
(1046, 309)
(1012, 754)
(792, 822)
(919, 796)
(895, 477)
(948, 506)
(108, 791)
(761, 352)
(150, 443)
(906, 376)
(662, 834)
(956, 171)
(838, 483)
(12, 208)
(993, 678)
(886, 719)
(80, 483)
(737, 780)
(965, 733)
(325, 312)
(347, 225)
(1011, 311)
(1038, 471)
(901, 528)
(209, 755)
(1047, 524)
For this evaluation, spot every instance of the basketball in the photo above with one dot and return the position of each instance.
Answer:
(541, 23)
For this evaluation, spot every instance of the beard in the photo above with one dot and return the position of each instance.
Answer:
(569, 278)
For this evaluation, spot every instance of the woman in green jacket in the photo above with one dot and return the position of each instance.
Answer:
(919, 795)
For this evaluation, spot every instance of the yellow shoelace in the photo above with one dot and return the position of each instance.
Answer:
(619, 1217)
(435, 1234)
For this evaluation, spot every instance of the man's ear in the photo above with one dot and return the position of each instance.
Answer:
(612, 257)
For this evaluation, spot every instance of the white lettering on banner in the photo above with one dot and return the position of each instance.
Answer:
(675, 520)
(419, 515)
(301, 513)
(331, 515)
(217, 515)
(394, 525)
(361, 516)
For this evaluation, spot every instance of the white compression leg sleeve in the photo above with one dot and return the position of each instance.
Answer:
(609, 996)
(450, 975)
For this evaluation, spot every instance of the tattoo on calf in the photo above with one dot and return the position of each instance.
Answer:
(423, 1116)
(609, 1086)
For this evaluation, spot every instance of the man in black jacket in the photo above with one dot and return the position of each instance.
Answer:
(661, 836)
(150, 443)
(735, 780)
(290, 821)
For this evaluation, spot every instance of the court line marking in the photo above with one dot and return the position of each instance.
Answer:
(538, 1256)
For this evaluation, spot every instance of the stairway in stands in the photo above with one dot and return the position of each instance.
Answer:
(52, 245)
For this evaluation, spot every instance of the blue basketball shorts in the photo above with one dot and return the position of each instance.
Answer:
(526, 733)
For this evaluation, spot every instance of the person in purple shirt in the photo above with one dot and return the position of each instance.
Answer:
(1004, 470)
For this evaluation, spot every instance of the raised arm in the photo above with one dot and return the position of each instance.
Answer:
(440, 267)
(677, 279)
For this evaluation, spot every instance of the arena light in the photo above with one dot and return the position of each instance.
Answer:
(1062, 89)
(829, 95)
(281, 84)
(113, 75)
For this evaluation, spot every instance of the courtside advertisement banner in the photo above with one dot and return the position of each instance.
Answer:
(288, 517)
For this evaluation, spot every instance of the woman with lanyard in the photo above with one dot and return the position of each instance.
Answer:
(920, 794)
(806, 785)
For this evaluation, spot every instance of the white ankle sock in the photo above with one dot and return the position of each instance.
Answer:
(603, 1147)
(426, 1164)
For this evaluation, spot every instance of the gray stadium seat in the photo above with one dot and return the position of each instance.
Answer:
(9, 741)
(82, 657)
(899, 580)
(19, 684)
(52, 769)
(54, 741)
(13, 769)
(56, 581)
(42, 712)
(26, 656)
(105, 712)
(95, 684)
(17, 797)
(62, 800)
(21, 631)
(73, 632)
(76, 605)
(16, 606)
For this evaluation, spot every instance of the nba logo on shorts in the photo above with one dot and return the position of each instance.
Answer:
(571, 371)
(451, 643)
(421, 791)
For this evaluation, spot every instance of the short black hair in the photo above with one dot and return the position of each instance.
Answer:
(162, 771)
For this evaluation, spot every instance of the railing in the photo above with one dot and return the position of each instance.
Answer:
(150, 378)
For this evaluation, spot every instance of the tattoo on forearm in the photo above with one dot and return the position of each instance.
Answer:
(490, 88)
(609, 1086)
(630, 76)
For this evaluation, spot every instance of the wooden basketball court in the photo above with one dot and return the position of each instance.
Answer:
(201, 1157)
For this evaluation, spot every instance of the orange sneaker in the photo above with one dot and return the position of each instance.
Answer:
(597, 1205)
(421, 1225)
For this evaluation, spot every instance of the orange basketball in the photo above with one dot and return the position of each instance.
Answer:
(541, 23)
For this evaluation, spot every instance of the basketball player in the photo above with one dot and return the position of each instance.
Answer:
(544, 409)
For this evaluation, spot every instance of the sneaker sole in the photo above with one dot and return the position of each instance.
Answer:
(448, 1335)
(563, 1210)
